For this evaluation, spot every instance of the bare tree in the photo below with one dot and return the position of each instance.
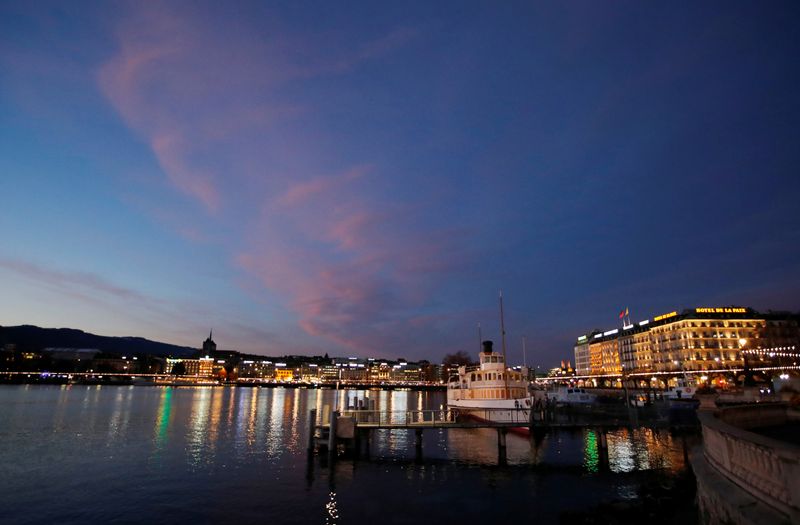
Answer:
(457, 359)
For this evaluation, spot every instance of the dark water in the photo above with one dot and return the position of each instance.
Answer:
(110, 454)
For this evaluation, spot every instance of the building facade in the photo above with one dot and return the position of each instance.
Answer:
(696, 339)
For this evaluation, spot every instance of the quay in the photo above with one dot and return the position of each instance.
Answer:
(748, 467)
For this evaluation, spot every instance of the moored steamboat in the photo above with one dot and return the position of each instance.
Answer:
(491, 391)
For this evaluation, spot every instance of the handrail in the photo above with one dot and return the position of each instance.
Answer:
(432, 417)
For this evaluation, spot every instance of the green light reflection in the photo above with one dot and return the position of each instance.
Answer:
(591, 452)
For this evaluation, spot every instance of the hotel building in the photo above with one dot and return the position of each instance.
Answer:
(692, 340)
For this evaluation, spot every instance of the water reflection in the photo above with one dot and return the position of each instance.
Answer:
(117, 424)
(198, 424)
(591, 452)
(331, 509)
(244, 443)
(643, 449)
(162, 418)
(274, 441)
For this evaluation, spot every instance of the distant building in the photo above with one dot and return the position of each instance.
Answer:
(695, 339)
(191, 367)
(283, 373)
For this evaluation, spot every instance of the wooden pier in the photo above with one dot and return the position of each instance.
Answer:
(352, 428)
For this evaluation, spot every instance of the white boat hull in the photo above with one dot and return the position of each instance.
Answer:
(494, 410)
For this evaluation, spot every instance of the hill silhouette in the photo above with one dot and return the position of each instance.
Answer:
(29, 337)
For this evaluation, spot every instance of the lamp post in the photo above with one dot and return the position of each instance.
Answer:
(748, 374)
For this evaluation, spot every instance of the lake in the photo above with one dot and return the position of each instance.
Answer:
(131, 454)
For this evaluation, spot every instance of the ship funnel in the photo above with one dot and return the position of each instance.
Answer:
(487, 347)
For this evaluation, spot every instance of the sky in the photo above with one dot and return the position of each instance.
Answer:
(362, 179)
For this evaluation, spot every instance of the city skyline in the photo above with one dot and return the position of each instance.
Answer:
(307, 180)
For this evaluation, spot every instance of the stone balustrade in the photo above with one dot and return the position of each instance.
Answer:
(766, 468)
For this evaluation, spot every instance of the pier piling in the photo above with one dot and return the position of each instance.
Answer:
(312, 428)
(332, 434)
(501, 445)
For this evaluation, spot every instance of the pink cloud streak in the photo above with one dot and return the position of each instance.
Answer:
(353, 266)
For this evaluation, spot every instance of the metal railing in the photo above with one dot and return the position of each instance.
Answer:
(444, 417)
(400, 418)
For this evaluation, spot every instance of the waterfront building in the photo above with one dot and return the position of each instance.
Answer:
(582, 355)
(330, 372)
(354, 372)
(693, 340)
(309, 372)
(261, 369)
(191, 366)
(283, 373)
(379, 371)
(205, 366)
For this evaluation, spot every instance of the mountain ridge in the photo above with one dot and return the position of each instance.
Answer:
(31, 337)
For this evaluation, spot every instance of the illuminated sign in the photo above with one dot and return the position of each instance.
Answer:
(582, 339)
(627, 327)
(611, 332)
(598, 336)
(728, 310)
(642, 323)
(664, 316)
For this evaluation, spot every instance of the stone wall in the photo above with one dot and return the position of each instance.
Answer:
(764, 468)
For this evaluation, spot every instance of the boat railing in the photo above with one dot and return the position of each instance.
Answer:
(401, 417)
(411, 418)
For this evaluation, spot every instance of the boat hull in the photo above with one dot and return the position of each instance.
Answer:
(496, 411)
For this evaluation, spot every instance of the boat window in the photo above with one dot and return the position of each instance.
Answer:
(569, 391)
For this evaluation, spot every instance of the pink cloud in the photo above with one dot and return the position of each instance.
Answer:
(300, 193)
(354, 269)
(207, 96)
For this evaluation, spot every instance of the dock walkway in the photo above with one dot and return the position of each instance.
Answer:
(351, 427)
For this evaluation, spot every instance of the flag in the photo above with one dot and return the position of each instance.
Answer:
(626, 310)
(621, 314)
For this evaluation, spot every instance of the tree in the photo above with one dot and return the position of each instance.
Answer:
(179, 369)
(457, 359)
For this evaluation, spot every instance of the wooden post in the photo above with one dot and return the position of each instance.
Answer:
(312, 428)
(356, 439)
(602, 446)
(530, 421)
(332, 434)
(501, 445)
(418, 443)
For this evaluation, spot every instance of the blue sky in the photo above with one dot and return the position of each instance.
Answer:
(306, 178)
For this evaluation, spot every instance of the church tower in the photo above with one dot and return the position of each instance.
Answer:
(209, 346)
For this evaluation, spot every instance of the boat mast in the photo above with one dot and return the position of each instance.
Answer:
(524, 355)
(503, 339)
